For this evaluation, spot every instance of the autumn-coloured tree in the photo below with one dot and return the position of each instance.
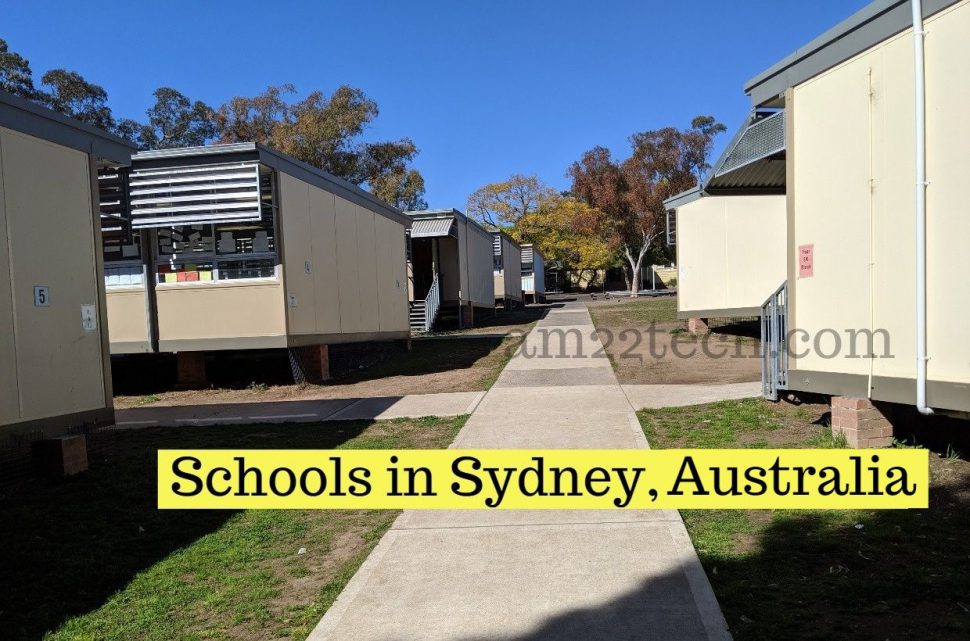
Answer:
(566, 230)
(630, 193)
(324, 131)
(501, 204)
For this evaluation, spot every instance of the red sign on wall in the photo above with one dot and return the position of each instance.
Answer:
(806, 261)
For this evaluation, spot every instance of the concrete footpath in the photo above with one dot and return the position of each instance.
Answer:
(312, 411)
(535, 575)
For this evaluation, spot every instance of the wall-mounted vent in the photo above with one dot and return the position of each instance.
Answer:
(167, 196)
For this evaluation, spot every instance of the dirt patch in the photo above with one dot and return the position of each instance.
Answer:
(662, 353)
(432, 366)
(648, 345)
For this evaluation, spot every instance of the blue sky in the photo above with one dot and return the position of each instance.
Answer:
(485, 89)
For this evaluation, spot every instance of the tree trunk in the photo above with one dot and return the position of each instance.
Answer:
(635, 265)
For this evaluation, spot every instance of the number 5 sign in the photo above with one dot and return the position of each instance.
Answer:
(42, 296)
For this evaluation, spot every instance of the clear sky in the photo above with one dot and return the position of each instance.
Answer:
(485, 88)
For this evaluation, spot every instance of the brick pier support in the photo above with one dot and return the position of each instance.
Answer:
(862, 423)
(191, 370)
(697, 326)
(310, 363)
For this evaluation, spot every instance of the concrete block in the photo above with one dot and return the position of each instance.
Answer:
(62, 455)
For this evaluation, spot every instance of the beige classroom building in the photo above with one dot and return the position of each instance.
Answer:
(877, 216)
(55, 369)
(236, 247)
(449, 269)
(507, 270)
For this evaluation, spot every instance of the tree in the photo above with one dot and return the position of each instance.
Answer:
(566, 230)
(15, 74)
(253, 119)
(176, 121)
(384, 166)
(324, 131)
(77, 98)
(630, 193)
(502, 204)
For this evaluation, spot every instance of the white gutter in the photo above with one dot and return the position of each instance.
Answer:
(920, 125)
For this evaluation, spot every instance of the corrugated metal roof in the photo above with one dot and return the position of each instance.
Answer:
(755, 159)
(432, 227)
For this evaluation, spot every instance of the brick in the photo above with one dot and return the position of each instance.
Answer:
(862, 423)
(315, 362)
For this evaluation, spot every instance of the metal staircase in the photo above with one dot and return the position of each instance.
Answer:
(424, 313)
(774, 343)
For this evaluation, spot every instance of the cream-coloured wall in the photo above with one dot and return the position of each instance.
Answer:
(220, 311)
(127, 318)
(357, 279)
(50, 365)
(731, 252)
(478, 283)
(853, 158)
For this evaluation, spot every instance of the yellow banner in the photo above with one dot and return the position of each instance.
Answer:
(543, 479)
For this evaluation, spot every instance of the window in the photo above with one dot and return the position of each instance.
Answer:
(527, 268)
(223, 251)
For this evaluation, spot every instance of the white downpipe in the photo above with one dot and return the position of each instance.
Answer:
(920, 125)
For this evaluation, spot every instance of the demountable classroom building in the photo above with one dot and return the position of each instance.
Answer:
(729, 232)
(55, 371)
(507, 270)
(533, 274)
(235, 247)
(876, 295)
(449, 268)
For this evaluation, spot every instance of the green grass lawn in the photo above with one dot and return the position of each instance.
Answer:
(635, 313)
(825, 574)
(92, 558)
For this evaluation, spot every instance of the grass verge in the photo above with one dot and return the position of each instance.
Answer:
(92, 558)
(813, 574)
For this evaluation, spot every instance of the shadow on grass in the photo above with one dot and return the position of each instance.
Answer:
(902, 575)
(68, 546)
(429, 357)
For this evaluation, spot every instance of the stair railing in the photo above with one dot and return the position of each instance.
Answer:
(774, 343)
(431, 304)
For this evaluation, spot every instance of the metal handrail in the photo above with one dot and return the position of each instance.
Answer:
(431, 304)
(774, 343)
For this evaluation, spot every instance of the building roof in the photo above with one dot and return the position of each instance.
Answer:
(864, 29)
(448, 213)
(32, 119)
(683, 198)
(752, 163)
(276, 160)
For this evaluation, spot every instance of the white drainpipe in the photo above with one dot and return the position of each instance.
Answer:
(920, 124)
